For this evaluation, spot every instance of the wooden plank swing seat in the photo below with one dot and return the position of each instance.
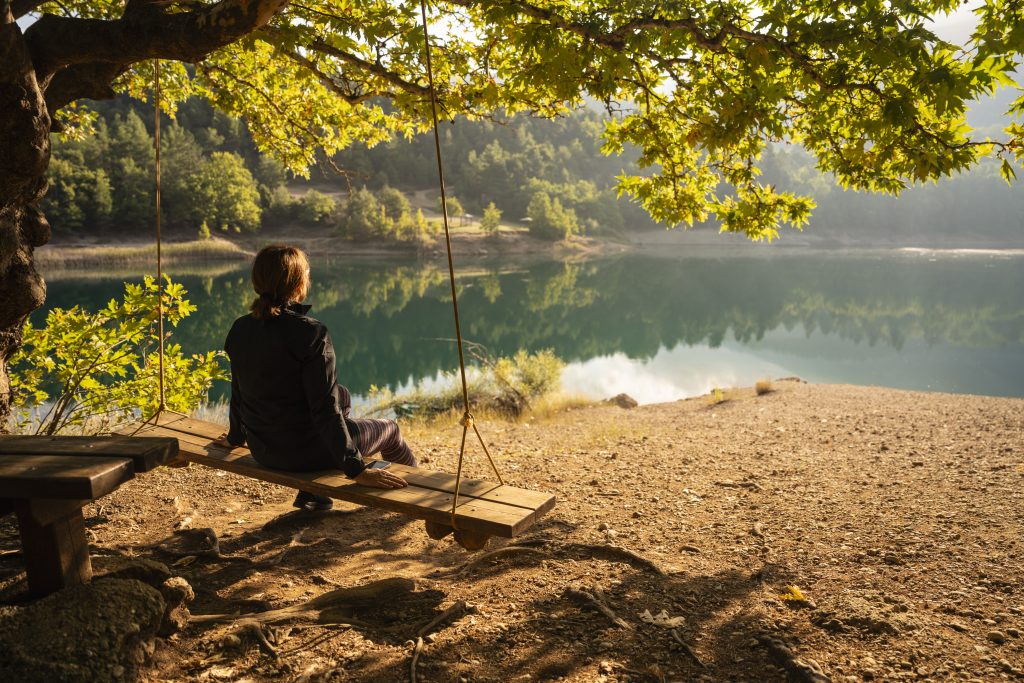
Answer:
(485, 509)
(46, 480)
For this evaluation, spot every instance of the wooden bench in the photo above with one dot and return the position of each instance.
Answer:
(485, 509)
(46, 480)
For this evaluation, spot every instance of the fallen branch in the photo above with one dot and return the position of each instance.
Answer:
(416, 650)
(597, 601)
(687, 649)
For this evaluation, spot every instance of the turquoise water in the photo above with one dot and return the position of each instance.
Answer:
(658, 327)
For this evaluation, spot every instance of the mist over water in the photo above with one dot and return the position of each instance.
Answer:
(658, 327)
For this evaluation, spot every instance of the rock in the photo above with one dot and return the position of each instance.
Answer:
(997, 637)
(92, 633)
(1013, 633)
(603, 526)
(623, 401)
(177, 594)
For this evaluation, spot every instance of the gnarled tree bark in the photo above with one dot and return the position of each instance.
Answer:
(54, 62)
(24, 155)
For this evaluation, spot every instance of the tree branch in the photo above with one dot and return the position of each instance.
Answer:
(374, 68)
(329, 82)
(91, 81)
(143, 32)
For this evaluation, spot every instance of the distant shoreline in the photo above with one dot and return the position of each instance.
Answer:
(81, 256)
(58, 258)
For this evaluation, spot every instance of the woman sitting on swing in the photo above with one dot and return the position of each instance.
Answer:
(286, 402)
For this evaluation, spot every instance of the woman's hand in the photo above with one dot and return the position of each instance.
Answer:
(223, 442)
(381, 479)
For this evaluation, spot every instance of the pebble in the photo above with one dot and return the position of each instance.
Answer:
(997, 637)
(603, 526)
(1013, 633)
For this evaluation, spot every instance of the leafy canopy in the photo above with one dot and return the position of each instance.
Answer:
(701, 88)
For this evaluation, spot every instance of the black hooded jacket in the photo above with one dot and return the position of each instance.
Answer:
(285, 398)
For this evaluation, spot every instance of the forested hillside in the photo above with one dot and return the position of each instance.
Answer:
(550, 172)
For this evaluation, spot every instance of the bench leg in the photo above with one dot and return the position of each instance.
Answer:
(471, 540)
(437, 531)
(56, 552)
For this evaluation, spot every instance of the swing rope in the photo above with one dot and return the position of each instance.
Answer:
(162, 397)
(467, 416)
(159, 255)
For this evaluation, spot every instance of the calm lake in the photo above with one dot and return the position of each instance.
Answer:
(658, 327)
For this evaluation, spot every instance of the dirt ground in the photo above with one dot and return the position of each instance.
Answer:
(813, 533)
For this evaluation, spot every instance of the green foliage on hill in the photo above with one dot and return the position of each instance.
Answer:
(549, 219)
(104, 183)
(508, 162)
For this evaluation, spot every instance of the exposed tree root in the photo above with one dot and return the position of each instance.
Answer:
(528, 547)
(501, 553)
(209, 546)
(334, 607)
(256, 629)
(598, 601)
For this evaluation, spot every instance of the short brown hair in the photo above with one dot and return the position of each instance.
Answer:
(278, 274)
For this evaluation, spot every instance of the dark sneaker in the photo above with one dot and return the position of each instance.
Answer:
(307, 501)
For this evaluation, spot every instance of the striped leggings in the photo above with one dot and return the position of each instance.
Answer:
(383, 436)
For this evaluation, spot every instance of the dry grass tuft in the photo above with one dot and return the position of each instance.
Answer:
(763, 386)
(717, 396)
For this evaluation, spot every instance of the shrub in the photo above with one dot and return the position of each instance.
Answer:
(104, 365)
(394, 202)
(315, 207)
(491, 221)
(549, 219)
(505, 385)
(763, 386)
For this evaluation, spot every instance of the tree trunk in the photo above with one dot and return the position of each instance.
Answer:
(63, 59)
(24, 155)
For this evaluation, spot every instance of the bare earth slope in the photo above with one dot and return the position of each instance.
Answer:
(898, 517)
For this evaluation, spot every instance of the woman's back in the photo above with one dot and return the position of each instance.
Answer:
(283, 373)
